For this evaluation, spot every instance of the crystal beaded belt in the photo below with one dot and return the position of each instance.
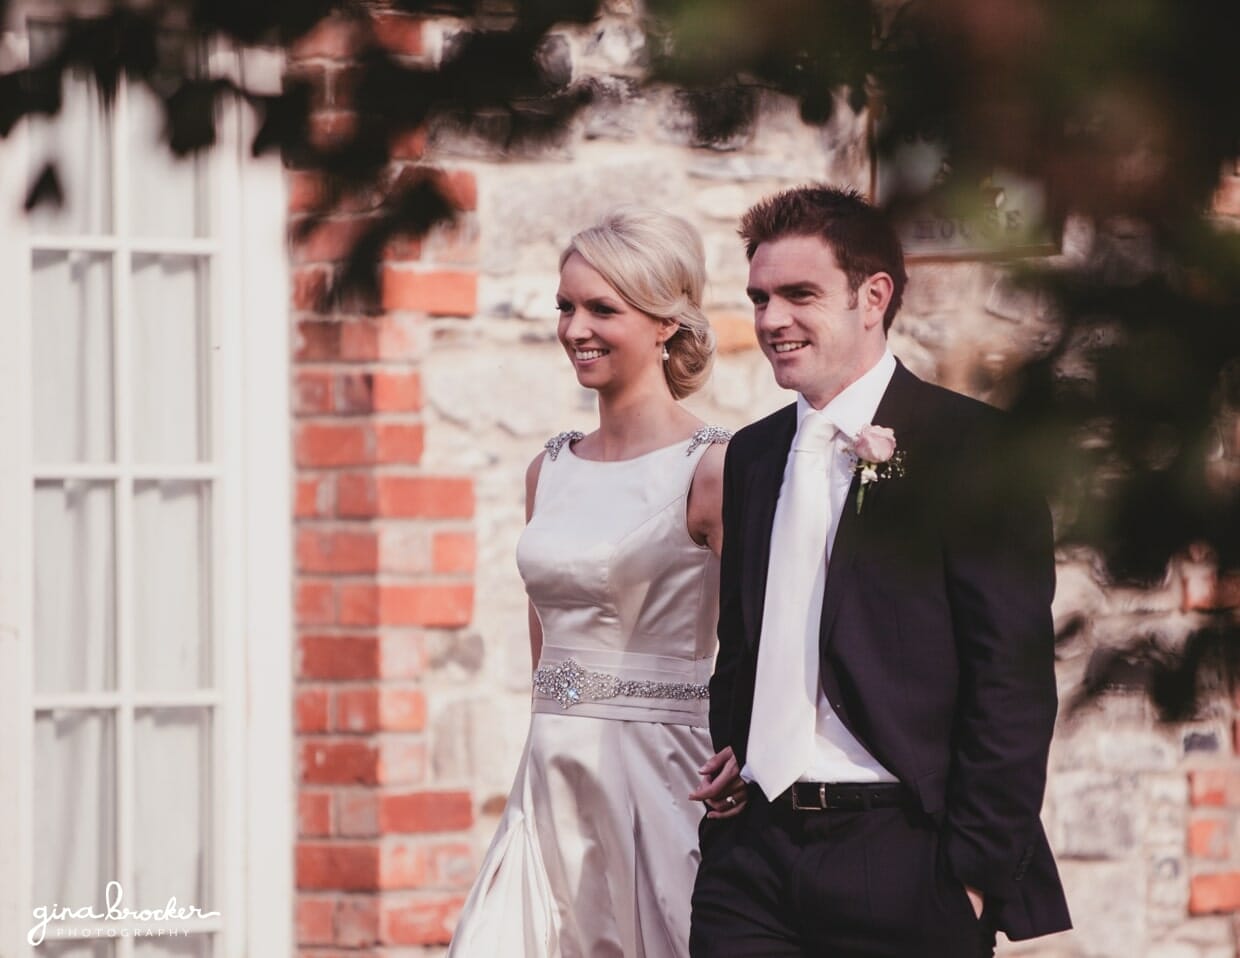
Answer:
(570, 684)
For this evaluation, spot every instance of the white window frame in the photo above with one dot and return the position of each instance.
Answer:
(251, 517)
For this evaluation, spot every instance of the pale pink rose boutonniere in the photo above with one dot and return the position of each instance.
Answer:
(874, 449)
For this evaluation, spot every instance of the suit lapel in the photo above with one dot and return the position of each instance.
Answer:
(897, 411)
(766, 475)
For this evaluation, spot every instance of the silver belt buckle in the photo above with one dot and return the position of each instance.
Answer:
(822, 799)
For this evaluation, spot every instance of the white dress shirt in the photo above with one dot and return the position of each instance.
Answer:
(837, 755)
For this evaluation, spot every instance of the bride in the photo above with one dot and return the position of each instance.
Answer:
(596, 850)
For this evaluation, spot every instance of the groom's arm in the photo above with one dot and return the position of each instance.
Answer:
(999, 554)
(730, 628)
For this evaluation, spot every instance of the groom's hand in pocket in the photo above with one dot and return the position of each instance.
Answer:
(722, 790)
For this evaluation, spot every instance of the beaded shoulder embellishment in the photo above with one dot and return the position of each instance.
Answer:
(556, 443)
(708, 435)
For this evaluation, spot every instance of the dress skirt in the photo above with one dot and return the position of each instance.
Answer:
(597, 849)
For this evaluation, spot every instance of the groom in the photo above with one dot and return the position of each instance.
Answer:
(885, 674)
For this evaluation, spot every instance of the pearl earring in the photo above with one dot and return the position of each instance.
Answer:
(666, 354)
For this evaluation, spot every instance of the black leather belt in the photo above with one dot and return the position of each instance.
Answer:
(844, 796)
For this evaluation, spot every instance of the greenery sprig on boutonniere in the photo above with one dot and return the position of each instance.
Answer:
(874, 449)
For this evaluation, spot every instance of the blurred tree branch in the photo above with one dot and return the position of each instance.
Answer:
(1126, 111)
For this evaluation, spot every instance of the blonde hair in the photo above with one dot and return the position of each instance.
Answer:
(656, 262)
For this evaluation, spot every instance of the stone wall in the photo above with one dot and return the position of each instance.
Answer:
(1144, 817)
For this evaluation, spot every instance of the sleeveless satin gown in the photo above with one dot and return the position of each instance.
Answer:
(597, 848)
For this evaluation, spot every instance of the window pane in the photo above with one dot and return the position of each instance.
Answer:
(71, 336)
(169, 333)
(171, 577)
(74, 807)
(172, 795)
(74, 587)
(79, 141)
(169, 354)
(191, 946)
(164, 189)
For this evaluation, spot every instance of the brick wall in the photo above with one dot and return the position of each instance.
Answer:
(1213, 840)
(384, 564)
(411, 702)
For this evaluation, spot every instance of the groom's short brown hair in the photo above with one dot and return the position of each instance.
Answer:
(861, 237)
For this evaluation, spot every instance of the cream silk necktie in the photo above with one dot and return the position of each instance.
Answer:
(781, 729)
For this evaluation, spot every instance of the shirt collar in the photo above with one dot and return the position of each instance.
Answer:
(856, 405)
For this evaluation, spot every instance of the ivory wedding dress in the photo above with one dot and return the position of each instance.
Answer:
(597, 848)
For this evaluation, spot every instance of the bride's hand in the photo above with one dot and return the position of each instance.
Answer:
(722, 789)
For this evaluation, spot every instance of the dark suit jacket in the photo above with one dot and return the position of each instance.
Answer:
(936, 645)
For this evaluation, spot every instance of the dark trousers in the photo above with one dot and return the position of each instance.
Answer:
(775, 882)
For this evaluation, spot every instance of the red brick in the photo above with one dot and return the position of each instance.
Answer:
(328, 130)
(312, 393)
(339, 657)
(310, 285)
(399, 34)
(336, 551)
(357, 496)
(1211, 894)
(408, 144)
(423, 921)
(359, 604)
(1227, 198)
(314, 921)
(347, 867)
(305, 191)
(311, 708)
(403, 248)
(323, 445)
(1198, 586)
(312, 75)
(387, 338)
(315, 603)
(461, 188)
(1208, 838)
(425, 497)
(453, 552)
(396, 391)
(357, 922)
(342, 83)
(357, 813)
(331, 241)
(314, 814)
(1214, 786)
(401, 709)
(326, 762)
(440, 293)
(399, 442)
(402, 864)
(434, 606)
(318, 340)
(359, 341)
(312, 498)
(333, 39)
(426, 812)
(355, 394)
(357, 710)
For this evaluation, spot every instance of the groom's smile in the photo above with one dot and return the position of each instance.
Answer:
(815, 330)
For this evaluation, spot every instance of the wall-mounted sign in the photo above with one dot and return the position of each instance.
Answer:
(1002, 215)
